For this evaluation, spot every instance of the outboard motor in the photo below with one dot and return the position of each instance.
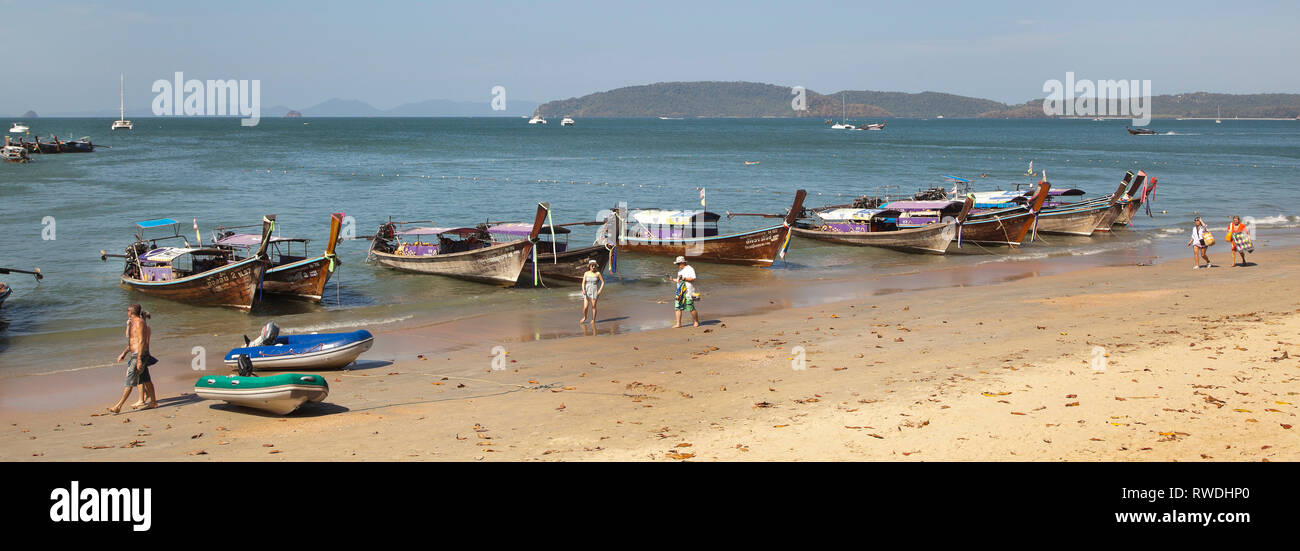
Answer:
(245, 365)
(269, 333)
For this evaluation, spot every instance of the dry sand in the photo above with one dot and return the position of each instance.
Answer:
(1200, 365)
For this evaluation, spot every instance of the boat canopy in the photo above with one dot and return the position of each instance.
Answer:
(962, 180)
(156, 223)
(253, 240)
(672, 217)
(857, 215)
(438, 231)
(923, 205)
(167, 254)
(999, 197)
(520, 229)
(1058, 192)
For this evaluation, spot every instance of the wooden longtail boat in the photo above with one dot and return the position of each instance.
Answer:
(205, 276)
(5, 290)
(1077, 218)
(290, 275)
(1134, 205)
(879, 228)
(556, 262)
(1116, 210)
(999, 226)
(694, 235)
(1140, 131)
(464, 253)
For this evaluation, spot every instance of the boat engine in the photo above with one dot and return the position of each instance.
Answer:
(269, 333)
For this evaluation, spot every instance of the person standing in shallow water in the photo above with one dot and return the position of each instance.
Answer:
(137, 367)
(593, 282)
(685, 299)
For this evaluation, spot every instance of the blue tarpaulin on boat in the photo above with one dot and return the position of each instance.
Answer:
(156, 223)
(956, 178)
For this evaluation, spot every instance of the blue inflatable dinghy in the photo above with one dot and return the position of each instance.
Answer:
(317, 351)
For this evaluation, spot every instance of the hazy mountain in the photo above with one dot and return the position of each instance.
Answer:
(751, 99)
(335, 107)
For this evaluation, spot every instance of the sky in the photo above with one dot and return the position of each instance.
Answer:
(387, 53)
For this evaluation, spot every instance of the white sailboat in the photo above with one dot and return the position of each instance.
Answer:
(121, 123)
(1218, 117)
(537, 119)
(843, 124)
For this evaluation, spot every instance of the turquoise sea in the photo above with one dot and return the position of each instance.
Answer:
(466, 170)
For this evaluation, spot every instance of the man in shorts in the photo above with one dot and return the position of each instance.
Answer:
(137, 366)
(685, 299)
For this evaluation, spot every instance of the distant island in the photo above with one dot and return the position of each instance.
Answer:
(31, 115)
(752, 99)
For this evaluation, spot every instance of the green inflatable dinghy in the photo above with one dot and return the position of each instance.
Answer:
(281, 393)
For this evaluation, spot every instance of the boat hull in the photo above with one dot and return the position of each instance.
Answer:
(1070, 221)
(932, 238)
(756, 248)
(280, 394)
(234, 285)
(305, 279)
(995, 229)
(567, 266)
(320, 351)
(498, 264)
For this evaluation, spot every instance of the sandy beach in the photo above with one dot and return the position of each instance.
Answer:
(1120, 363)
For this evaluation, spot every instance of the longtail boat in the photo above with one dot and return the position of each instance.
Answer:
(459, 252)
(694, 235)
(205, 276)
(5, 290)
(1140, 131)
(293, 273)
(1135, 203)
(879, 228)
(556, 262)
(1118, 209)
(1079, 218)
(1006, 225)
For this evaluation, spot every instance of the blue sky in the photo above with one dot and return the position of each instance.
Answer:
(388, 52)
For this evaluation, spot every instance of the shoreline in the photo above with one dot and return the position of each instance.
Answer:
(948, 373)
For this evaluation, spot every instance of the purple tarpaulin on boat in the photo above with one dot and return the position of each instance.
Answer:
(921, 205)
(436, 231)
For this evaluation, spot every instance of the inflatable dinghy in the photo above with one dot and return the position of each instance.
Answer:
(318, 351)
(281, 393)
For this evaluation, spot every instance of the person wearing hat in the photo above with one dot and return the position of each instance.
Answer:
(685, 299)
(593, 282)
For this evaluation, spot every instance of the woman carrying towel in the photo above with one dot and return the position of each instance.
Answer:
(1239, 238)
(1198, 244)
(593, 282)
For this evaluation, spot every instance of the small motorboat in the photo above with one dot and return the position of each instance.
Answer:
(316, 351)
(537, 119)
(282, 393)
(18, 128)
(14, 154)
(566, 121)
(1140, 131)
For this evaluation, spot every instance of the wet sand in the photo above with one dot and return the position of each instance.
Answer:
(985, 363)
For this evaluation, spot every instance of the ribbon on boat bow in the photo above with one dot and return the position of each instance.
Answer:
(1148, 194)
(786, 244)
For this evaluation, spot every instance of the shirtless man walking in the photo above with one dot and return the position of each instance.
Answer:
(137, 367)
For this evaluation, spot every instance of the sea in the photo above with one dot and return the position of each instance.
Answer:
(60, 211)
